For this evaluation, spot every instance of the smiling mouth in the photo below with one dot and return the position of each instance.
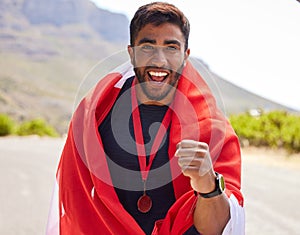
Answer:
(158, 76)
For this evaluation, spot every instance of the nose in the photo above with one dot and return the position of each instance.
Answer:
(159, 58)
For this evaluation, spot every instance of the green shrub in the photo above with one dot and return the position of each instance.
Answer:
(6, 125)
(36, 127)
(273, 129)
(291, 133)
(247, 127)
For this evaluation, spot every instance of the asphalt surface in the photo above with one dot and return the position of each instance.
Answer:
(27, 174)
(271, 186)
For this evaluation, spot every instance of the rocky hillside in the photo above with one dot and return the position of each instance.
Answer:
(48, 47)
(59, 13)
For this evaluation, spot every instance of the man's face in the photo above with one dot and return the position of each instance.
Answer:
(158, 58)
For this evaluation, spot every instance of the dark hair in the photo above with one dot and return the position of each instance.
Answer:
(157, 13)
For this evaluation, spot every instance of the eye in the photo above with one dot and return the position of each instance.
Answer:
(172, 48)
(147, 47)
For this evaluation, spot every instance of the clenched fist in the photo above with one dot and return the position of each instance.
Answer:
(195, 162)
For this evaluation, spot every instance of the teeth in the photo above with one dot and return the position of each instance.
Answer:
(158, 74)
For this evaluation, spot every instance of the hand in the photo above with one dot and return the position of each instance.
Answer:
(195, 162)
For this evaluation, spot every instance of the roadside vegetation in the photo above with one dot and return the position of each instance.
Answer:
(276, 129)
(33, 127)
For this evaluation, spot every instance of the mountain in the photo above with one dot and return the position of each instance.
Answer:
(59, 13)
(48, 48)
(233, 99)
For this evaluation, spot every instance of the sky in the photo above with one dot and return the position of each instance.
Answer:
(254, 44)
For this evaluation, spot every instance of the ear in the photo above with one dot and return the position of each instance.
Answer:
(187, 54)
(131, 53)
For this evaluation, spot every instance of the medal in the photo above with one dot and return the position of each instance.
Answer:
(144, 203)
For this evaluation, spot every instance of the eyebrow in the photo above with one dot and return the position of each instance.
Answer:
(167, 42)
(152, 41)
(147, 40)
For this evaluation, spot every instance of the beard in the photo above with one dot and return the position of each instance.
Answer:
(157, 93)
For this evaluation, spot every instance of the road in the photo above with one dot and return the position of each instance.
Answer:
(270, 185)
(27, 174)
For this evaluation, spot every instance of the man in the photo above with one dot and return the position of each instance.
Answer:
(146, 154)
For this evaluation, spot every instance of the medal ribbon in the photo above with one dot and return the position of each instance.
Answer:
(139, 138)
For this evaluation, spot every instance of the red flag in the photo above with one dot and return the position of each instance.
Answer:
(87, 201)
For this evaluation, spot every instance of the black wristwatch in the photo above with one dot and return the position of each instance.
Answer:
(219, 189)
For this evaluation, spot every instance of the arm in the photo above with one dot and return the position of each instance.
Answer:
(211, 214)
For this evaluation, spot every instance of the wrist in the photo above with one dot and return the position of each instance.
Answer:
(205, 183)
(219, 187)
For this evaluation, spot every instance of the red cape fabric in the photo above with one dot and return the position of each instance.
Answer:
(88, 203)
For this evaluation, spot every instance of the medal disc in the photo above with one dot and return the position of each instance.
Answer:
(144, 203)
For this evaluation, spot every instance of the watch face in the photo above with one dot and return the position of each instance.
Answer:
(221, 182)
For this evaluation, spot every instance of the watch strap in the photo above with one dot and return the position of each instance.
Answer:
(219, 188)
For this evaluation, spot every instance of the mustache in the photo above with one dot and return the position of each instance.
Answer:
(165, 68)
(154, 67)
